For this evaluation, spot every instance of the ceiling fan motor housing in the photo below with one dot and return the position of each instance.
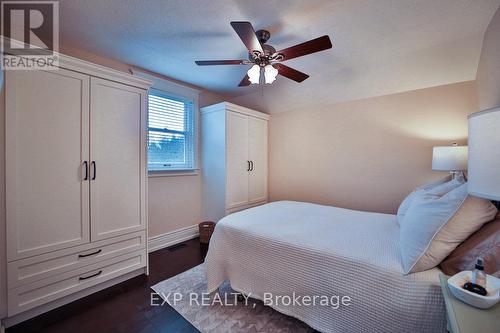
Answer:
(263, 36)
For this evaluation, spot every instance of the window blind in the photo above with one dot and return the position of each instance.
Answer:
(170, 132)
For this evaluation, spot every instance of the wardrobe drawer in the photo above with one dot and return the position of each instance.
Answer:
(32, 269)
(35, 294)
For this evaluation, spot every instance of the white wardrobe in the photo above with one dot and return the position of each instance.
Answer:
(75, 182)
(234, 142)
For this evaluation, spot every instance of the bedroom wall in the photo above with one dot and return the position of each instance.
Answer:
(366, 154)
(488, 73)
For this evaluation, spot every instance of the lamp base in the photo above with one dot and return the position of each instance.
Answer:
(458, 175)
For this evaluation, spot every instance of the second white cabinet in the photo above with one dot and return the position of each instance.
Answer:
(234, 159)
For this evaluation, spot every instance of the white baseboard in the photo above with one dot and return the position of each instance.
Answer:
(172, 238)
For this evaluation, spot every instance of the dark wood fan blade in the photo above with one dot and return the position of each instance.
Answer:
(247, 35)
(290, 73)
(245, 81)
(312, 46)
(219, 62)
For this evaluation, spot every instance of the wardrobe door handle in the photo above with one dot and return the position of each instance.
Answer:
(86, 166)
(248, 165)
(89, 254)
(251, 165)
(94, 169)
(90, 276)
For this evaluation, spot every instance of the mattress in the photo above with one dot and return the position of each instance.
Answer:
(304, 250)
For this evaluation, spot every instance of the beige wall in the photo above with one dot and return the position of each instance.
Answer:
(366, 154)
(174, 203)
(488, 73)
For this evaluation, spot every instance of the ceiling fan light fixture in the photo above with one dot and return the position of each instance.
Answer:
(254, 74)
(270, 74)
(261, 55)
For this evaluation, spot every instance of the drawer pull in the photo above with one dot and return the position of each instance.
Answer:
(90, 276)
(89, 254)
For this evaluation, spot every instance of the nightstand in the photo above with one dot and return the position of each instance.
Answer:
(463, 318)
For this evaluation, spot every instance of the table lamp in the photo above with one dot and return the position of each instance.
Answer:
(484, 154)
(450, 158)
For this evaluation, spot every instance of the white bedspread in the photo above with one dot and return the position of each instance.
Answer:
(286, 247)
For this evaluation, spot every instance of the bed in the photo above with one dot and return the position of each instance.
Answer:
(296, 248)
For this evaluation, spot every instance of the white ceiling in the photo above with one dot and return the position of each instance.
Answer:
(379, 46)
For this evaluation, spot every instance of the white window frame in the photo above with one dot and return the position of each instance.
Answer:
(177, 91)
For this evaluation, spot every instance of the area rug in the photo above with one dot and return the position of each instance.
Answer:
(224, 312)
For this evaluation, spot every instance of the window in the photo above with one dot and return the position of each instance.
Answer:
(171, 132)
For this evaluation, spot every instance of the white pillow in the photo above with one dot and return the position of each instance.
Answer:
(435, 225)
(405, 204)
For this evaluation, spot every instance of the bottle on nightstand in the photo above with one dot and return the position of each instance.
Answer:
(478, 275)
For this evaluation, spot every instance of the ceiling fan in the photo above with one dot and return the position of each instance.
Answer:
(264, 56)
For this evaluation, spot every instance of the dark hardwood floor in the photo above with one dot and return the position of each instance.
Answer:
(126, 306)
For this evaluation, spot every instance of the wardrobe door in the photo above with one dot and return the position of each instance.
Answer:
(47, 125)
(237, 163)
(257, 154)
(117, 155)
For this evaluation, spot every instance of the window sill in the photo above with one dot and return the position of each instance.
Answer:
(173, 173)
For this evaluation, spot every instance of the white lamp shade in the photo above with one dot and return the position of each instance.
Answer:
(254, 74)
(449, 158)
(270, 74)
(484, 154)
